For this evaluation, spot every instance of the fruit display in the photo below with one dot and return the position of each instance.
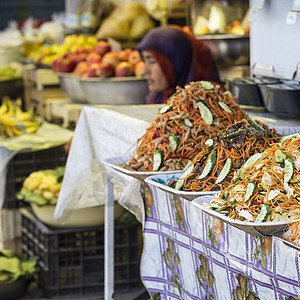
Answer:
(14, 266)
(14, 121)
(46, 53)
(42, 187)
(10, 71)
(101, 61)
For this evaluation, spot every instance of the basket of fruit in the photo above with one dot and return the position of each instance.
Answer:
(100, 75)
(41, 189)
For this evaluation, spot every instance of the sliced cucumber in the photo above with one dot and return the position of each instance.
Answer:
(288, 170)
(209, 142)
(173, 141)
(188, 170)
(225, 170)
(225, 107)
(173, 95)
(164, 109)
(257, 126)
(249, 191)
(287, 137)
(279, 156)
(158, 158)
(264, 213)
(234, 134)
(205, 113)
(209, 165)
(187, 165)
(207, 85)
(188, 123)
(251, 160)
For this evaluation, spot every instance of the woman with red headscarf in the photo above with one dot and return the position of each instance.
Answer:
(174, 58)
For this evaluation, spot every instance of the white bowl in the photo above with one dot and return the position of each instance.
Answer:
(83, 217)
(115, 90)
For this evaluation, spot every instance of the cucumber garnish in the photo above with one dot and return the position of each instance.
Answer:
(225, 170)
(288, 170)
(209, 142)
(279, 156)
(173, 141)
(187, 122)
(249, 191)
(225, 106)
(257, 126)
(158, 158)
(287, 137)
(164, 109)
(206, 85)
(205, 113)
(234, 134)
(264, 213)
(251, 160)
(187, 170)
(209, 165)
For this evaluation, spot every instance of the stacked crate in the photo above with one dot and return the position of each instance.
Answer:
(41, 85)
(19, 167)
(71, 260)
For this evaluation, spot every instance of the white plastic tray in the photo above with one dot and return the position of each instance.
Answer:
(258, 229)
(117, 163)
(160, 181)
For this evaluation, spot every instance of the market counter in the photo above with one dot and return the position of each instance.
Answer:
(176, 259)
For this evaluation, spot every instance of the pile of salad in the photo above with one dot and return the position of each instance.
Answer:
(191, 116)
(266, 187)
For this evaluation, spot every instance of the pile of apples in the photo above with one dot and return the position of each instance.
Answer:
(101, 61)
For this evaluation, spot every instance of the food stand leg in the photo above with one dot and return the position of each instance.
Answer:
(109, 243)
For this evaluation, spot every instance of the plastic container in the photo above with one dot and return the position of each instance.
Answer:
(71, 261)
(22, 164)
(246, 90)
(282, 99)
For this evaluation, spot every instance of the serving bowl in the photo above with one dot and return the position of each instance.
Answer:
(228, 49)
(82, 217)
(71, 86)
(115, 90)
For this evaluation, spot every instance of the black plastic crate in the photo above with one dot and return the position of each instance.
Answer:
(24, 163)
(71, 261)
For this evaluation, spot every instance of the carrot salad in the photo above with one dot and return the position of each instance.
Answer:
(266, 187)
(191, 116)
(227, 154)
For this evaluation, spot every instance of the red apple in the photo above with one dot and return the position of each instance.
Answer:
(140, 69)
(111, 58)
(124, 54)
(80, 68)
(56, 63)
(93, 70)
(66, 65)
(124, 69)
(93, 57)
(102, 47)
(134, 57)
(105, 69)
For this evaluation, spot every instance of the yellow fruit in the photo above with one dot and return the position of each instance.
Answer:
(48, 195)
(49, 179)
(55, 188)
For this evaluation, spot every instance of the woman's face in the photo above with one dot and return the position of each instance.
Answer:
(156, 79)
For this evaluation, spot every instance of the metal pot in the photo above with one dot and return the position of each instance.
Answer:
(115, 90)
(228, 49)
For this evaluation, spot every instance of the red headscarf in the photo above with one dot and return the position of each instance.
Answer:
(182, 58)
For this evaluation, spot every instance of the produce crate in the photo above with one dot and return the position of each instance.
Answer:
(10, 230)
(40, 85)
(71, 261)
(22, 164)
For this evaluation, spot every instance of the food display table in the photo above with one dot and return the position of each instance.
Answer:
(191, 255)
(110, 131)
